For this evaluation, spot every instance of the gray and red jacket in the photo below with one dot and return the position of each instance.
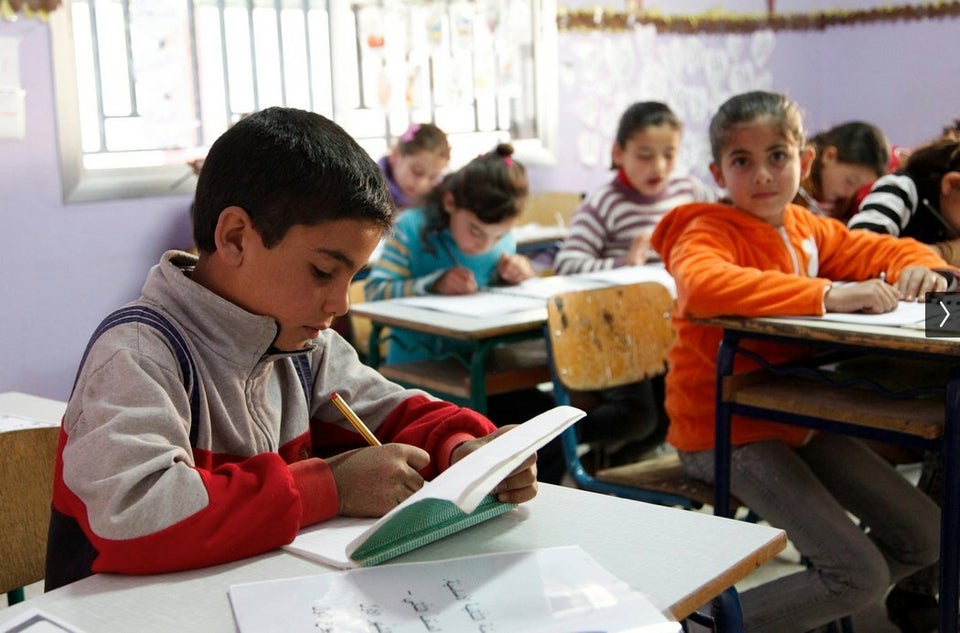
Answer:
(188, 441)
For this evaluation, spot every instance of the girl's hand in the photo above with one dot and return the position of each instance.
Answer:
(456, 281)
(514, 268)
(874, 296)
(916, 281)
(520, 485)
(639, 249)
(372, 481)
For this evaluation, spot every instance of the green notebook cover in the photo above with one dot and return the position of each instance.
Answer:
(455, 499)
(423, 522)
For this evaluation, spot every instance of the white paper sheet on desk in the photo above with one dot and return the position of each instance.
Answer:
(906, 314)
(635, 274)
(541, 591)
(17, 423)
(37, 621)
(481, 304)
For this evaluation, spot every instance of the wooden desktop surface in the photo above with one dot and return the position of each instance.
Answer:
(886, 337)
(678, 558)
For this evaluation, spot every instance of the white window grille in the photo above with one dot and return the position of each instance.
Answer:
(144, 86)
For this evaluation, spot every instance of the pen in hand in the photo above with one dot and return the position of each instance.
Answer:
(353, 419)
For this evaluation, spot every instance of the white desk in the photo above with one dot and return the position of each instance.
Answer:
(680, 559)
(24, 405)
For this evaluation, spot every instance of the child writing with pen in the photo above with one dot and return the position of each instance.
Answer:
(200, 429)
(758, 256)
(458, 242)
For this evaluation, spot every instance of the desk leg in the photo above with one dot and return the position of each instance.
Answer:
(950, 511)
(721, 449)
(478, 375)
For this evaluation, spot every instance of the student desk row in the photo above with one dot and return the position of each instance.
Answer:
(679, 559)
(485, 333)
(923, 422)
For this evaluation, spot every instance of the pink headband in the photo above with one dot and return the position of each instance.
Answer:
(410, 133)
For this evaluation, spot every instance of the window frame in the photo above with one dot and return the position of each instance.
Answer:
(80, 184)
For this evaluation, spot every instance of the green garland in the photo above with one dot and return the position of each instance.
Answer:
(722, 22)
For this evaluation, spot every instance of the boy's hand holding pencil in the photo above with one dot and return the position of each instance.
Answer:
(370, 483)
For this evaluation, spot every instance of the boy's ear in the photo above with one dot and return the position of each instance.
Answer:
(717, 175)
(234, 228)
(949, 182)
(807, 154)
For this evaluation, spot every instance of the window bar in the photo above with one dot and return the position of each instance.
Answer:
(278, 10)
(253, 56)
(95, 45)
(128, 44)
(305, 8)
(223, 61)
(198, 137)
(356, 27)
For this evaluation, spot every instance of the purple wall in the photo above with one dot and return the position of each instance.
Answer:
(64, 267)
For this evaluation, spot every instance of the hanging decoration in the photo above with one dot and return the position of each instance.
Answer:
(12, 10)
(719, 21)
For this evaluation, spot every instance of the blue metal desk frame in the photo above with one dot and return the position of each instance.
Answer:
(874, 340)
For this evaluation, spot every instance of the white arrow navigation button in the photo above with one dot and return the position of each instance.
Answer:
(947, 312)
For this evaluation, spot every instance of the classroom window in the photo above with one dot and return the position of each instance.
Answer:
(144, 87)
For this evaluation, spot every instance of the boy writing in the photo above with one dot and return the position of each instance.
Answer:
(200, 428)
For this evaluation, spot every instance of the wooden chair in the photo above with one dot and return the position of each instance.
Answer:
(359, 326)
(26, 478)
(614, 336)
(550, 208)
(607, 337)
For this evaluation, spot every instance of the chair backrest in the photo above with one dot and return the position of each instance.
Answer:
(602, 338)
(550, 208)
(610, 336)
(27, 461)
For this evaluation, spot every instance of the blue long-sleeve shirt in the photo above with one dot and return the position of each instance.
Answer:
(409, 265)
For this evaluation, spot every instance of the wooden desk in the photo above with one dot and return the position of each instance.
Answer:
(680, 559)
(484, 334)
(869, 339)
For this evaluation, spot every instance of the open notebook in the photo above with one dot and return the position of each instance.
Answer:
(457, 498)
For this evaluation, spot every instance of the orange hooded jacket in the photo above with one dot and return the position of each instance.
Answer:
(728, 262)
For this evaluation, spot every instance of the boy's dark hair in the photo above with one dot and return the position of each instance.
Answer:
(642, 115)
(424, 137)
(493, 186)
(857, 143)
(287, 167)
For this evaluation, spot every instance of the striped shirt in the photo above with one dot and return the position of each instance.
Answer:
(895, 206)
(603, 227)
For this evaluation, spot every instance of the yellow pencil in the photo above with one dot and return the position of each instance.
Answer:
(353, 419)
